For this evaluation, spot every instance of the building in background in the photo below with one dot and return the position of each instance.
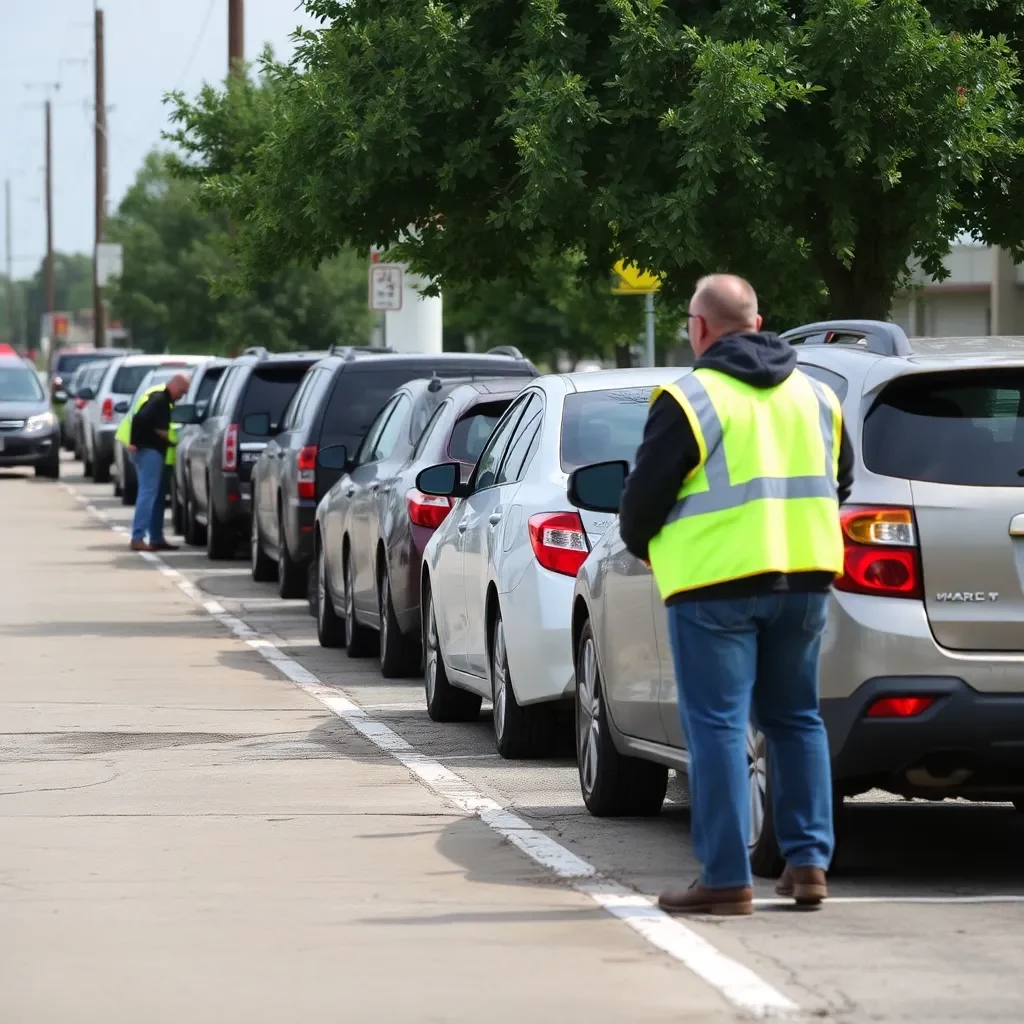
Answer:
(984, 294)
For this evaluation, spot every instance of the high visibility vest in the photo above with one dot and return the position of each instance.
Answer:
(124, 428)
(763, 497)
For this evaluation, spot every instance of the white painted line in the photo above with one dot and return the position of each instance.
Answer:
(938, 901)
(736, 982)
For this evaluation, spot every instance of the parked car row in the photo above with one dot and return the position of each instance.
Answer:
(455, 515)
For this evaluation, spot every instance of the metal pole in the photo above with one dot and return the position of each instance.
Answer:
(49, 287)
(649, 318)
(99, 325)
(10, 261)
(236, 36)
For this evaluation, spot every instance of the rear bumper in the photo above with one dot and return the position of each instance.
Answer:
(967, 743)
(232, 499)
(300, 537)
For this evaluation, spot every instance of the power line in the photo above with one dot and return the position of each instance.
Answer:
(196, 45)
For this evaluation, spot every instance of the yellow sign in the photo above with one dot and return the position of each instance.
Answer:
(629, 279)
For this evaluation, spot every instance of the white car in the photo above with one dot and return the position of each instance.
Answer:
(498, 574)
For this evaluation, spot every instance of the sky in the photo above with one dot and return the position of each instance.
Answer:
(152, 47)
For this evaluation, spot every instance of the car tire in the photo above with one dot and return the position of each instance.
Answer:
(263, 568)
(177, 511)
(612, 784)
(195, 532)
(445, 703)
(399, 657)
(359, 640)
(220, 541)
(330, 626)
(86, 462)
(291, 575)
(50, 469)
(100, 469)
(129, 490)
(520, 731)
(312, 595)
(765, 859)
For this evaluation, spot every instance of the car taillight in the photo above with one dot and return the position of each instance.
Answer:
(229, 453)
(307, 471)
(559, 541)
(880, 552)
(107, 412)
(899, 707)
(80, 403)
(428, 510)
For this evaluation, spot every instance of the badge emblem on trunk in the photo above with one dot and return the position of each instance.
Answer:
(968, 595)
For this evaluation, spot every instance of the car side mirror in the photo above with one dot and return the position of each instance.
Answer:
(334, 456)
(598, 488)
(444, 481)
(60, 395)
(122, 406)
(86, 394)
(184, 414)
(258, 425)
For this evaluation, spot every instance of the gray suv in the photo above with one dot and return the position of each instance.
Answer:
(922, 673)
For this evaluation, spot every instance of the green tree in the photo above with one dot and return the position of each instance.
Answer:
(176, 252)
(817, 147)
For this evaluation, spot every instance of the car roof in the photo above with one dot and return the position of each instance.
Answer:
(160, 360)
(639, 377)
(492, 365)
(10, 361)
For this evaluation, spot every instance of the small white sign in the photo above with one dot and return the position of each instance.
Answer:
(385, 287)
(109, 262)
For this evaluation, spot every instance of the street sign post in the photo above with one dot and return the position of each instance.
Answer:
(629, 279)
(385, 287)
(109, 262)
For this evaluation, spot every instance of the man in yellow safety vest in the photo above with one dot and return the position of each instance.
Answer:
(151, 443)
(734, 501)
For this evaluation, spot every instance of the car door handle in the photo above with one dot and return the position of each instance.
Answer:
(494, 518)
(1017, 526)
(463, 526)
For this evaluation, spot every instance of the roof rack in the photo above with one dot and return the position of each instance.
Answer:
(505, 350)
(878, 336)
(350, 351)
(256, 350)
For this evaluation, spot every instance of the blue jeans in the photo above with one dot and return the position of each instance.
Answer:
(149, 503)
(737, 655)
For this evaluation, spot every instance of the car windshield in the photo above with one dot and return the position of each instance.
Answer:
(602, 426)
(962, 428)
(19, 384)
(471, 432)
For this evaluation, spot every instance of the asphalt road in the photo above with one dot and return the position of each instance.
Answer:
(927, 919)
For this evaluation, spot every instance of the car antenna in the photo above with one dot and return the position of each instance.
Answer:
(435, 382)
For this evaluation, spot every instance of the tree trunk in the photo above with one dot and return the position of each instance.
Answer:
(860, 292)
(623, 357)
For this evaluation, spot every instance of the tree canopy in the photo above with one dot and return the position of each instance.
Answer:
(816, 146)
(175, 252)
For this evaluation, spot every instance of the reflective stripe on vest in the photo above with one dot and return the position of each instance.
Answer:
(763, 496)
(722, 494)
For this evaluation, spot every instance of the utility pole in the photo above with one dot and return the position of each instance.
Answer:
(49, 288)
(99, 316)
(236, 36)
(10, 261)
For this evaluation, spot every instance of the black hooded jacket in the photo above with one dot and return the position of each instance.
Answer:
(669, 452)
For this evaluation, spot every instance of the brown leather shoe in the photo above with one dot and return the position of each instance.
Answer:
(699, 899)
(807, 886)
(164, 546)
(141, 545)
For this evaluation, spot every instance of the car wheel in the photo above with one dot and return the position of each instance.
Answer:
(86, 462)
(177, 512)
(220, 542)
(312, 594)
(50, 469)
(358, 639)
(765, 859)
(291, 575)
(398, 658)
(612, 784)
(263, 568)
(330, 627)
(519, 731)
(129, 489)
(194, 530)
(100, 469)
(445, 703)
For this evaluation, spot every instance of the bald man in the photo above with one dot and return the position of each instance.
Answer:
(734, 502)
(150, 439)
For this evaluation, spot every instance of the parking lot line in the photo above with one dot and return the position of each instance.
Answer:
(734, 981)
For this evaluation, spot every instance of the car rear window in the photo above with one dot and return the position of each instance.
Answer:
(356, 400)
(601, 426)
(471, 431)
(270, 389)
(67, 364)
(128, 378)
(951, 428)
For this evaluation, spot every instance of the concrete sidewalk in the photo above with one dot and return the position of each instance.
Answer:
(184, 835)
